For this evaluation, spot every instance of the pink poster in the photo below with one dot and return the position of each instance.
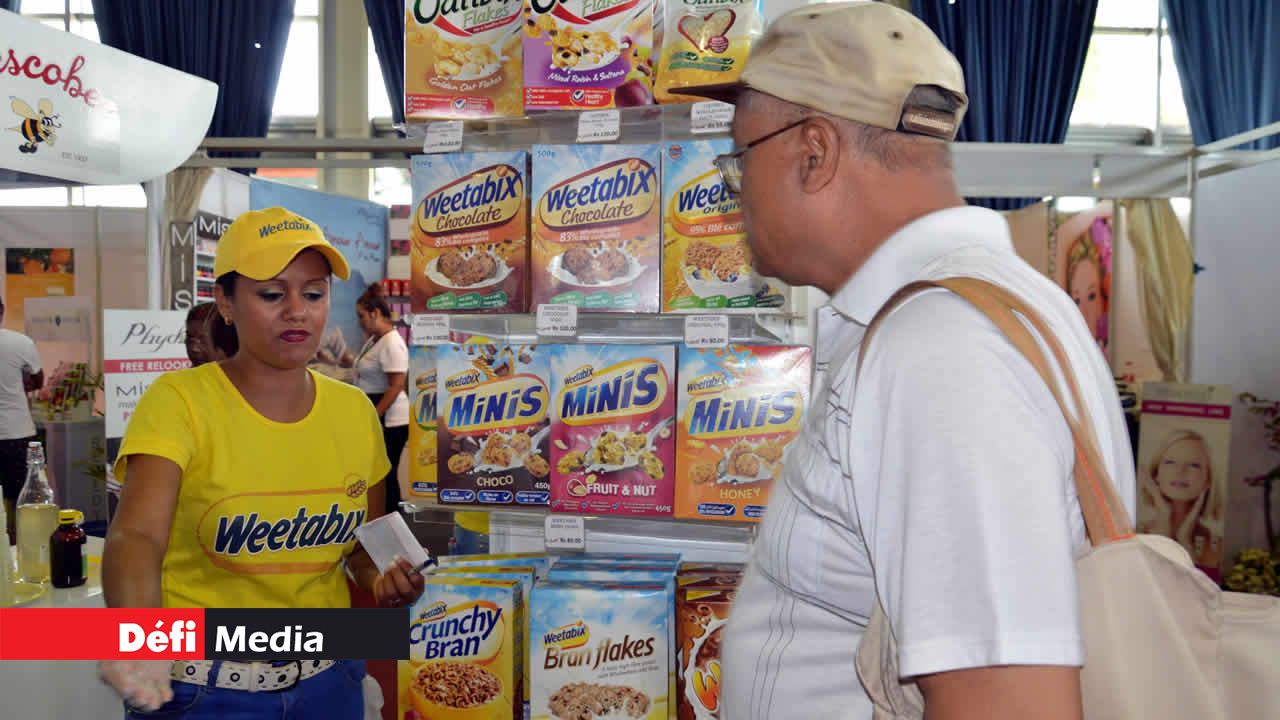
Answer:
(1082, 267)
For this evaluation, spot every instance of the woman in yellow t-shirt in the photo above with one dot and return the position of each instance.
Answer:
(244, 481)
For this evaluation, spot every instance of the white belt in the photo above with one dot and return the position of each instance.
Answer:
(253, 677)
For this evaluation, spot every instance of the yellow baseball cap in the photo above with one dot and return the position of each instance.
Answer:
(261, 243)
(864, 61)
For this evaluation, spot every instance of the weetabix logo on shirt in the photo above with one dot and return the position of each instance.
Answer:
(281, 532)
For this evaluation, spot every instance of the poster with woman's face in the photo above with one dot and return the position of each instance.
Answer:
(1183, 450)
(1082, 266)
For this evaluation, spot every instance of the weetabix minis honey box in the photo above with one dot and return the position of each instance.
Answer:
(462, 59)
(466, 655)
(706, 263)
(701, 614)
(705, 42)
(596, 226)
(494, 425)
(612, 435)
(469, 231)
(588, 54)
(601, 651)
(740, 408)
(422, 456)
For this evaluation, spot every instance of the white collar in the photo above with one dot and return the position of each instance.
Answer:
(903, 257)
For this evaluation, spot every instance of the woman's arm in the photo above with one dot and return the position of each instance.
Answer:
(395, 386)
(139, 533)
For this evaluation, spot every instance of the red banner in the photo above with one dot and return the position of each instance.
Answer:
(149, 365)
(101, 634)
(1161, 407)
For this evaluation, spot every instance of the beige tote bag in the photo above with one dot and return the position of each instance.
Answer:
(1161, 639)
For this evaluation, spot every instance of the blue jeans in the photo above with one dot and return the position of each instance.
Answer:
(335, 694)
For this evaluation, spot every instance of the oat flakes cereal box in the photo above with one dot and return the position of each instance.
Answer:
(494, 425)
(420, 480)
(466, 654)
(612, 435)
(588, 54)
(601, 651)
(596, 226)
(740, 408)
(462, 59)
(705, 42)
(469, 229)
(540, 561)
(700, 618)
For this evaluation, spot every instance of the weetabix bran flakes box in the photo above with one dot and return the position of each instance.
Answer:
(596, 226)
(494, 425)
(588, 54)
(739, 409)
(422, 455)
(612, 435)
(463, 59)
(466, 655)
(468, 232)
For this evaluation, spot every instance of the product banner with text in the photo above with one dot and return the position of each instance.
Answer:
(138, 346)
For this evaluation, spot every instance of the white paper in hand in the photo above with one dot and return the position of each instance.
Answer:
(389, 536)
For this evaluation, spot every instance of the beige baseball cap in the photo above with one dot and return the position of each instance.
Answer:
(864, 61)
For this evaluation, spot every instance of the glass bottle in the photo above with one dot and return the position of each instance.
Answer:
(37, 517)
(69, 566)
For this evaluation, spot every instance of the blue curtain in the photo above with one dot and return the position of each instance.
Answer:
(1022, 61)
(11, 5)
(1228, 55)
(386, 21)
(238, 44)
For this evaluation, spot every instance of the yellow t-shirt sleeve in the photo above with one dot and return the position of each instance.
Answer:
(161, 426)
(381, 464)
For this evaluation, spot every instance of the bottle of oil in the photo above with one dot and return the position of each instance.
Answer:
(36, 521)
(6, 563)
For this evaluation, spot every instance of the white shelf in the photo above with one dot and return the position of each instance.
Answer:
(614, 328)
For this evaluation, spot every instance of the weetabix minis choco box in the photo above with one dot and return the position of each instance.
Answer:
(466, 651)
(469, 231)
(462, 60)
(422, 455)
(588, 54)
(739, 408)
(596, 226)
(706, 262)
(494, 425)
(612, 440)
(701, 614)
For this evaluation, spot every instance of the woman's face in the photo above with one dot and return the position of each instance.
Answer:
(199, 345)
(1183, 470)
(280, 321)
(368, 321)
(1086, 290)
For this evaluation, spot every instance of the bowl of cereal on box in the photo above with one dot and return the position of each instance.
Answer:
(595, 267)
(713, 270)
(459, 691)
(470, 268)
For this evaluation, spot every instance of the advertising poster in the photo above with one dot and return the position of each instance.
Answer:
(1183, 453)
(36, 273)
(1081, 265)
(138, 346)
(358, 229)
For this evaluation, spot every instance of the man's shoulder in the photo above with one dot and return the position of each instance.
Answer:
(15, 340)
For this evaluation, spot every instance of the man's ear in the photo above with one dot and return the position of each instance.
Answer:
(821, 154)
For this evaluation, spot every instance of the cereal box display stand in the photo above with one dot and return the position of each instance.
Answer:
(588, 54)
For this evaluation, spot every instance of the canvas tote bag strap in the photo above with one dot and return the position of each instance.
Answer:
(1104, 515)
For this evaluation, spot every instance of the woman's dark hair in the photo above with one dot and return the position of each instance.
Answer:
(227, 281)
(222, 335)
(373, 299)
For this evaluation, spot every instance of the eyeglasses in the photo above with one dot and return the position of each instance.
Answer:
(730, 165)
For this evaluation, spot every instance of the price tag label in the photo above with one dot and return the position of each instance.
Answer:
(599, 126)
(429, 330)
(706, 331)
(443, 137)
(566, 532)
(558, 320)
(711, 117)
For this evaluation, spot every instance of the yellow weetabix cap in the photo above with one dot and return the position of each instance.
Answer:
(863, 61)
(261, 243)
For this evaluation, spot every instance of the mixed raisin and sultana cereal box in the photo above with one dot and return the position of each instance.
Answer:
(601, 651)
(466, 655)
(705, 43)
(462, 59)
(701, 614)
(494, 424)
(421, 457)
(612, 436)
(469, 231)
(596, 226)
(588, 54)
(739, 407)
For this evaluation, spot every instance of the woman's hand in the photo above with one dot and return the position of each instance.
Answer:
(1160, 523)
(142, 684)
(1188, 527)
(399, 586)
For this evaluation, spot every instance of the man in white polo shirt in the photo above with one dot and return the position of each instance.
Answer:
(20, 373)
(945, 481)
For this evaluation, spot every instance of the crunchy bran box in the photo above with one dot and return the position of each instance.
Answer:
(601, 651)
(740, 408)
(469, 232)
(701, 614)
(422, 455)
(705, 42)
(494, 425)
(596, 226)
(525, 574)
(466, 652)
(462, 60)
(588, 54)
(706, 263)
(612, 440)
